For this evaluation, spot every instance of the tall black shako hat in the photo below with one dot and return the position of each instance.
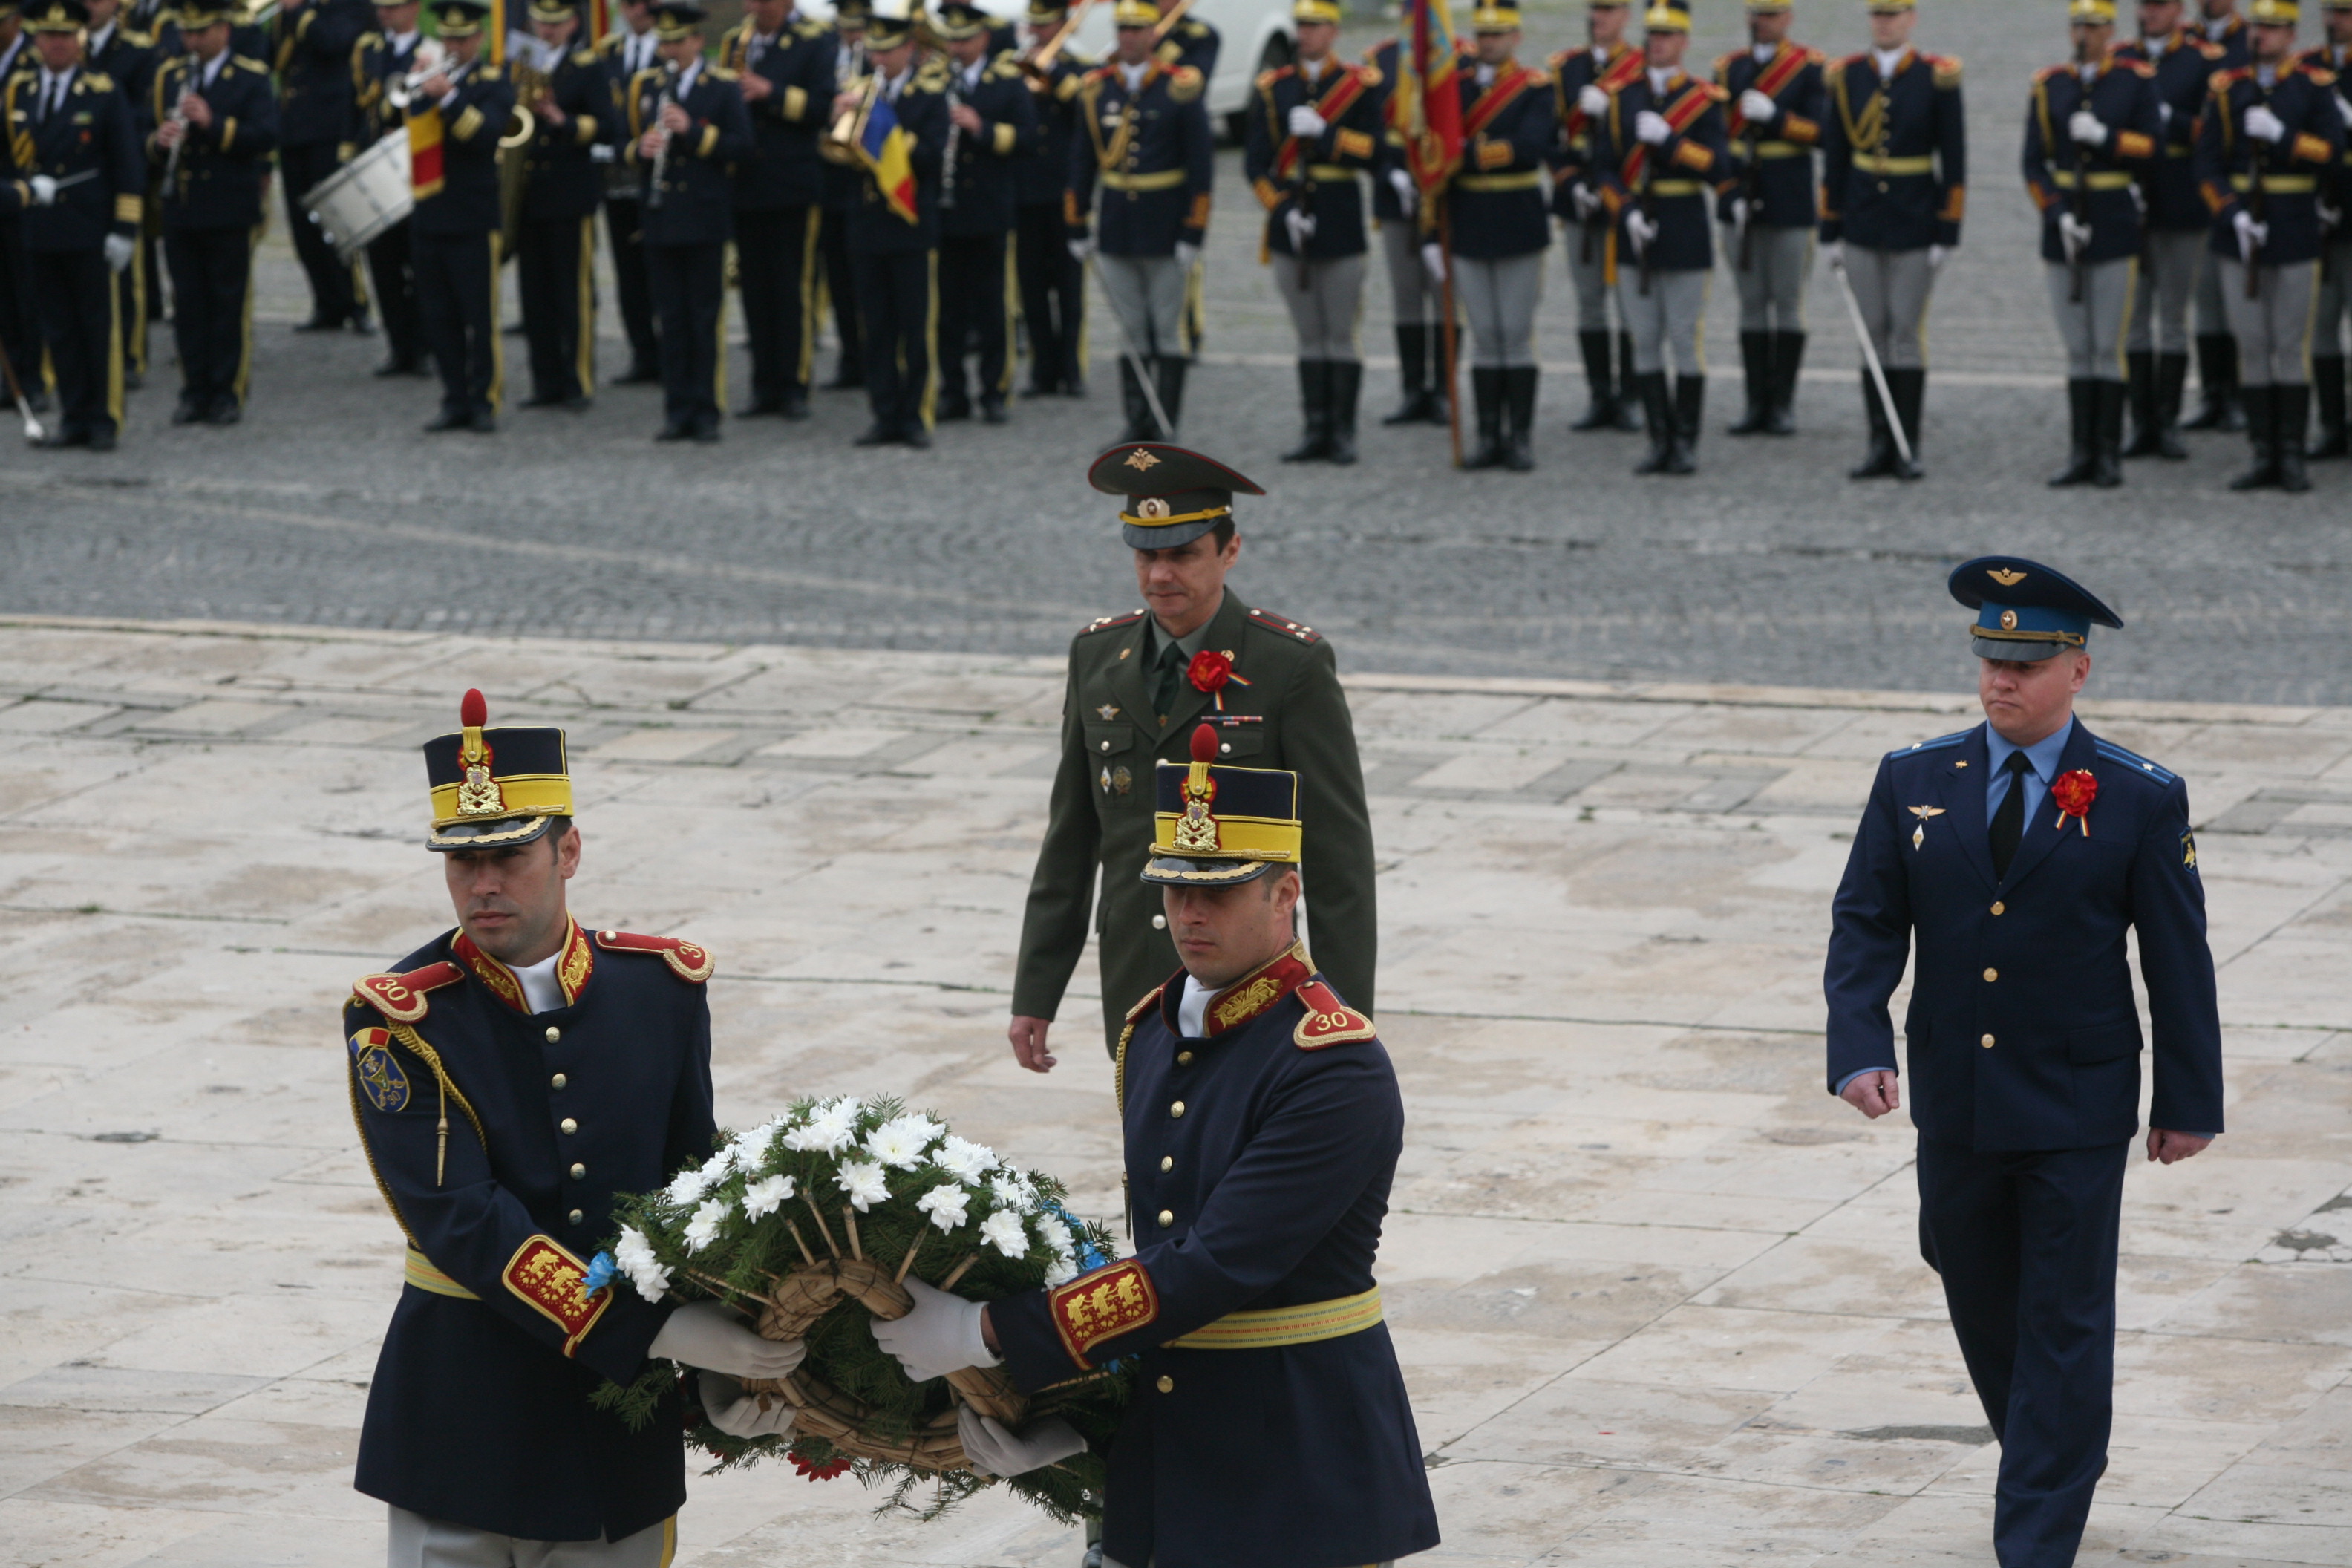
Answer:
(1214, 825)
(1173, 496)
(494, 789)
(2025, 611)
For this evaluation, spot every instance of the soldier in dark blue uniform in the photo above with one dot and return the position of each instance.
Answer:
(1583, 79)
(309, 45)
(2093, 126)
(2270, 133)
(129, 58)
(1774, 109)
(2332, 56)
(1189, 41)
(686, 124)
(555, 246)
(380, 63)
(2219, 25)
(627, 50)
(455, 119)
(71, 137)
(2020, 853)
(1053, 281)
(2221, 28)
(1416, 298)
(509, 1077)
(221, 114)
(783, 63)
(1314, 126)
(844, 185)
(20, 336)
(1501, 228)
(992, 131)
(2172, 253)
(1270, 1424)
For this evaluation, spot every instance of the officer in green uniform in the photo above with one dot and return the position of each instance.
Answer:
(1140, 685)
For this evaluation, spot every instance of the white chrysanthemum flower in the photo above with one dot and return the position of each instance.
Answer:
(947, 1203)
(1013, 1190)
(1002, 1230)
(634, 1255)
(1056, 1235)
(863, 1182)
(715, 1169)
(964, 1160)
(832, 1129)
(703, 1228)
(899, 1142)
(686, 1187)
(1061, 1271)
(753, 1146)
(764, 1197)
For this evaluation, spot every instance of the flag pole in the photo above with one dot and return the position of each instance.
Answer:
(1445, 292)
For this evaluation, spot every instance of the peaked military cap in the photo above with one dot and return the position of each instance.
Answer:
(959, 19)
(2025, 611)
(1215, 825)
(1495, 17)
(551, 10)
(1135, 14)
(1174, 496)
(195, 16)
(458, 18)
(1669, 17)
(494, 789)
(1049, 13)
(2098, 13)
(677, 20)
(1315, 11)
(2273, 13)
(890, 22)
(1891, 6)
(56, 16)
(852, 13)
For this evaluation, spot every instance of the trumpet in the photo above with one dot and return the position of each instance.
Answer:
(424, 64)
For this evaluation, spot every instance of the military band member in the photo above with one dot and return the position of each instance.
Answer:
(1501, 227)
(310, 46)
(2269, 134)
(2004, 865)
(20, 334)
(129, 58)
(2219, 407)
(1659, 153)
(1138, 685)
(555, 245)
(784, 64)
(455, 119)
(627, 51)
(1053, 281)
(992, 131)
(2093, 125)
(2335, 302)
(221, 113)
(1416, 298)
(381, 61)
(73, 143)
(894, 250)
(686, 124)
(1774, 115)
(1895, 189)
(2172, 253)
(1582, 81)
(507, 1079)
(844, 185)
(1313, 127)
(1147, 146)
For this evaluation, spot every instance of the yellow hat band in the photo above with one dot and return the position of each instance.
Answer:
(1172, 520)
(1316, 11)
(1136, 14)
(2094, 10)
(2273, 13)
(1666, 19)
(526, 795)
(1238, 839)
(1495, 19)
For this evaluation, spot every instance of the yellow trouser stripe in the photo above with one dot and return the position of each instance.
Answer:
(812, 270)
(498, 339)
(420, 1272)
(1276, 1326)
(1676, 188)
(584, 323)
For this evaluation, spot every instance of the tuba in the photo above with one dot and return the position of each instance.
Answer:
(530, 82)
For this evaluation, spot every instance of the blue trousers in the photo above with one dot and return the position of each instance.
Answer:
(2025, 1243)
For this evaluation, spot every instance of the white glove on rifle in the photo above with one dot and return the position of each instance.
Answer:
(2073, 233)
(118, 250)
(1738, 210)
(1082, 250)
(2086, 128)
(2330, 215)
(1187, 253)
(994, 1450)
(2252, 235)
(1302, 229)
(1433, 261)
(940, 1336)
(1641, 228)
(736, 1412)
(1833, 255)
(2262, 125)
(1937, 256)
(1305, 123)
(1587, 201)
(1757, 108)
(1408, 193)
(713, 1336)
(45, 191)
(1593, 102)
(1651, 126)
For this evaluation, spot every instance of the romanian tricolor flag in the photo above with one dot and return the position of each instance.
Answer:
(888, 154)
(1426, 107)
(600, 20)
(424, 154)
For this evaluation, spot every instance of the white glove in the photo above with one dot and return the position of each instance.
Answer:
(2342, 107)
(995, 1451)
(45, 191)
(1641, 229)
(940, 1336)
(1739, 212)
(2262, 125)
(1433, 261)
(2073, 233)
(1651, 126)
(2086, 128)
(712, 1335)
(1187, 253)
(1592, 101)
(1937, 255)
(2252, 235)
(1302, 229)
(737, 1414)
(1587, 201)
(1833, 255)
(1305, 122)
(1408, 193)
(2165, 110)
(2330, 214)
(1081, 250)
(1757, 108)
(120, 248)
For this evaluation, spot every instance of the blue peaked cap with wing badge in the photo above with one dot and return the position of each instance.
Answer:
(2025, 611)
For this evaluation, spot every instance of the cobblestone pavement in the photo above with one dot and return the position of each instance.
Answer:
(329, 505)
(1658, 1296)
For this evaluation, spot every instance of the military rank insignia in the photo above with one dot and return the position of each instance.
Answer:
(1102, 1306)
(1328, 1021)
(2189, 849)
(378, 1071)
(1920, 834)
(543, 1274)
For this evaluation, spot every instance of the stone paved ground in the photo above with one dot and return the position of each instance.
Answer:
(1657, 1296)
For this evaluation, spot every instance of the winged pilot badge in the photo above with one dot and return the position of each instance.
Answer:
(1920, 834)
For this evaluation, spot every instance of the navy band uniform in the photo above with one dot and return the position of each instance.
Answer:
(778, 196)
(20, 333)
(893, 257)
(1053, 281)
(378, 61)
(555, 242)
(309, 48)
(1771, 251)
(625, 53)
(978, 190)
(129, 57)
(454, 229)
(843, 185)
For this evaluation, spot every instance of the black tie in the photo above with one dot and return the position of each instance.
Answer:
(2009, 822)
(1170, 673)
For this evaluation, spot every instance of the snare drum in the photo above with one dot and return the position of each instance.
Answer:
(366, 196)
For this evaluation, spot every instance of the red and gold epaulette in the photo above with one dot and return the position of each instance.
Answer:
(2052, 73)
(1105, 622)
(2210, 50)
(547, 1277)
(2142, 70)
(688, 960)
(401, 997)
(1267, 78)
(1110, 1301)
(1946, 69)
(2321, 76)
(1328, 1021)
(2227, 77)
(1285, 624)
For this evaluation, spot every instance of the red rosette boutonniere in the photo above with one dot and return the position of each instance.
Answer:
(2074, 793)
(1208, 672)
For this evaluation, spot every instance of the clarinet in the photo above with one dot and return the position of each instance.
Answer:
(661, 158)
(180, 119)
(955, 137)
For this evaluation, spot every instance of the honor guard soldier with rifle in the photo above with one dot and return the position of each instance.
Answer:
(455, 119)
(1583, 79)
(555, 248)
(1190, 42)
(1894, 191)
(384, 59)
(507, 1079)
(2328, 360)
(2174, 222)
(784, 62)
(213, 122)
(1313, 128)
(1140, 684)
(2270, 140)
(1501, 227)
(129, 58)
(1261, 1126)
(2093, 126)
(2007, 864)
(2217, 350)
(1416, 298)
(73, 143)
(1774, 109)
(309, 45)
(1053, 281)
(686, 125)
(1661, 154)
(2221, 25)
(992, 131)
(628, 51)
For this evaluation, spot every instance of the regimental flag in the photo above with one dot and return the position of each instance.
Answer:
(1426, 107)
(424, 154)
(888, 154)
(600, 20)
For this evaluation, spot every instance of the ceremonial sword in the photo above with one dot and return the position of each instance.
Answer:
(1870, 358)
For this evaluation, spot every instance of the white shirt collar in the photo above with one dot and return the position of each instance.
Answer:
(1193, 1009)
(2218, 28)
(1658, 79)
(401, 43)
(1887, 60)
(98, 39)
(1133, 75)
(1485, 75)
(1765, 53)
(686, 79)
(1312, 70)
(538, 986)
(209, 71)
(56, 81)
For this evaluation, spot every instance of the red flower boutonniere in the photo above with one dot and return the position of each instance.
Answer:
(1208, 671)
(2074, 793)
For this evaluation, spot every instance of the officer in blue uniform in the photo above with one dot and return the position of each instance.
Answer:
(992, 131)
(1270, 1424)
(380, 60)
(555, 243)
(1774, 109)
(1053, 281)
(507, 1079)
(221, 113)
(2019, 853)
(467, 103)
(783, 63)
(308, 43)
